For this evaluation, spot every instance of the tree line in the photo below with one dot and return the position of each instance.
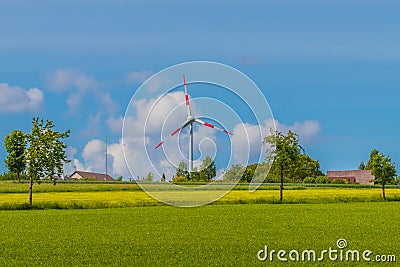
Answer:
(206, 172)
(41, 154)
(288, 162)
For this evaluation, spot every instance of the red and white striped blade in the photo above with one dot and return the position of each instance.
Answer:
(172, 134)
(186, 96)
(212, 126)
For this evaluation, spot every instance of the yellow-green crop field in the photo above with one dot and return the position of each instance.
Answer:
(70, 196)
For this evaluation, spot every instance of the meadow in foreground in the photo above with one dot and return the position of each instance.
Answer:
(224, 235)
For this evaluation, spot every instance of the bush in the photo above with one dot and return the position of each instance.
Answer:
(322, 180)
(309, 180)
(179, 179)
(6, 176)
(88, 179)
(338, 181)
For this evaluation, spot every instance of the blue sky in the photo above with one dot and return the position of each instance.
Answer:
(78, 63)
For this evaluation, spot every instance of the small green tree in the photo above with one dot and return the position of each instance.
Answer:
(163, 177)
(196, 175)
(361, 166)
(148, 178)
(306, 167)
(261, 172)
(15, 144)
(208, 170)
(249, 173)
(284, 151)
(46, 152)
(382, 168)
(182, 170)
(234, 173)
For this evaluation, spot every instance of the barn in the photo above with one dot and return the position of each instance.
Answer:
(353, 176)
(77, 175)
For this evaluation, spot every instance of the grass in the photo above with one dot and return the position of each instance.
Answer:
(213, 235)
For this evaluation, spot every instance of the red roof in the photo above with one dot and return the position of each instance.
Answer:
(360, 176)
(97, 176)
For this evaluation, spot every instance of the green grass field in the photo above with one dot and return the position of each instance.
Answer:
(213, 235)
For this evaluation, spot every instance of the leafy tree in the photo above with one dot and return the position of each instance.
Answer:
(15, 144)
(234, 173)
(208, 170)
(249, 172)
(382, 168)
(361, 166)
(307, 167)
(148, 178)
(261, 173)
(284, 151)
(196, 175)
(182, 170)
(289, 161)
(46, 152)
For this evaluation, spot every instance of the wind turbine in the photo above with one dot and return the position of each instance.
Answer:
(189, 122)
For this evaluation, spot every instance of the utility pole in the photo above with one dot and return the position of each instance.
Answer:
(106, 157)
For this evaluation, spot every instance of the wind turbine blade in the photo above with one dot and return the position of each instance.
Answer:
(157, 146)
(186, 96)
(212, 126)
(172, 134)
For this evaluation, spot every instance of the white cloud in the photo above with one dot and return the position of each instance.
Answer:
(66, 79)
(94, 159)
(247, 138)
(94, 154)
(107, 103)
(93, 125)
(17, 99)
(246, 143)
(80, 86)
(307, 130)
(74, 81)
(138, 76)
(114, 124)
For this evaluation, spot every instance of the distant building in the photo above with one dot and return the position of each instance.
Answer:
(77, 175)
(353, 176)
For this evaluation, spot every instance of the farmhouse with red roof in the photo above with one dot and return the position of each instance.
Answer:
(353, 176)
(77, 175)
